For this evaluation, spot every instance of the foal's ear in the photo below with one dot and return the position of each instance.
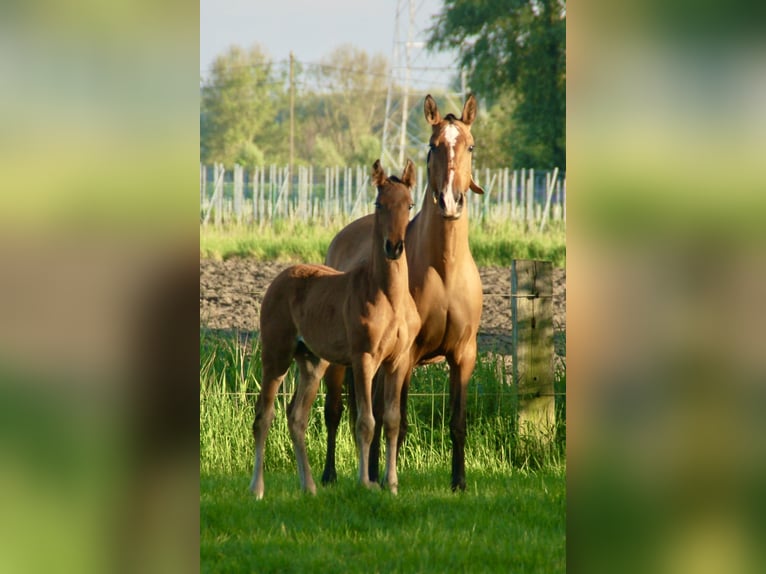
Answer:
(408, 175)
(475, 187)
(378, 175)
(433, 116)
(469, 111)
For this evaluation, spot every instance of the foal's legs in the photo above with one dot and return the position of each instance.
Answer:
(379, 405)
(277, 349)
(311, 370)
(273, 375)
(333, 409)
(364, 370)
(391, 418)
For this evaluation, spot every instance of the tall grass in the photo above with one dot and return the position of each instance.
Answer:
(283, 240)
(493, 243)
(510, 519)
(230, 371)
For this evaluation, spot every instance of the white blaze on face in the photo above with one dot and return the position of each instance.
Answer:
(451, 134)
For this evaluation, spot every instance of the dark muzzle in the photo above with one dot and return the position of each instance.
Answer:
(393, 250)
(450, 209)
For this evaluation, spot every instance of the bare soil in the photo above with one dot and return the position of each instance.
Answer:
(230, 298)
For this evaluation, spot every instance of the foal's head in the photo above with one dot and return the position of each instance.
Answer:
(392, 206)
(449, 157)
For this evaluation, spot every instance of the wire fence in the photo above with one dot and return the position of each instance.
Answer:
(264, 194)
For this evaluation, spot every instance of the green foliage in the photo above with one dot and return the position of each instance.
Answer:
(515, 47)
(346, 119)
(236, 106)
(514, 52)
(248, 154)
(325, 153)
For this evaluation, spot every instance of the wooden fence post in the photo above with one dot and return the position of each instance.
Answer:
(532, 335)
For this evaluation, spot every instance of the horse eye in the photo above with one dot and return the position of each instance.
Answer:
(411, 206)
(470, 148)
(377, 205)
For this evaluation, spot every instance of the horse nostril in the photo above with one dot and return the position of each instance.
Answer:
(393, 250)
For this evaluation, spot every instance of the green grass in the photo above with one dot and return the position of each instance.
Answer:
(510, 519)
(504, 522)
(492, 243)
(230, 371)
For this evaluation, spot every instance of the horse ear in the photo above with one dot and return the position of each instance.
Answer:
(378, 175)
(469, 111)
(433, 116)
(408, 175)
(475, 187)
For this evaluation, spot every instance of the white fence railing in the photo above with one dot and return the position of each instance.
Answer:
(262, 194)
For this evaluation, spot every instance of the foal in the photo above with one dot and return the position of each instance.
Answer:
(364, 318)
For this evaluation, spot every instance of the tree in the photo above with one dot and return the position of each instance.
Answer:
(340, 117)
(237, 107)
(514, 48)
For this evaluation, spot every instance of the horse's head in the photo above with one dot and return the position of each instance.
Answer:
(392, 207)
(449, 157)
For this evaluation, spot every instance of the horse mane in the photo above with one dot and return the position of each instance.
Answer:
(450, 117)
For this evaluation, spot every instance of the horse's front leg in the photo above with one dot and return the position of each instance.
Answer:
(460, 369)
(378, 407)
(392, 392)
(364, 370)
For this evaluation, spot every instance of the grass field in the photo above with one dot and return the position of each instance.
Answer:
(494, 243)
(510, 519)
(504, 522)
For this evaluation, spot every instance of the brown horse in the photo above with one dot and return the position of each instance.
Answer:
(365, 318)
(444, 282)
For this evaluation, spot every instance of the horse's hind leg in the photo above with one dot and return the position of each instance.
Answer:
(311, 370)
(333, 409)
(264, 415)
(276, 356)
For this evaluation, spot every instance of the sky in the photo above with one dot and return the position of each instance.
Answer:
(313, 28)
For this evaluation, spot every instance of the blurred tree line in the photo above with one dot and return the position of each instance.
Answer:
(513, 52)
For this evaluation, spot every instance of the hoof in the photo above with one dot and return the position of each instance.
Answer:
(329, 477)
(458, 486)
(257, 492)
